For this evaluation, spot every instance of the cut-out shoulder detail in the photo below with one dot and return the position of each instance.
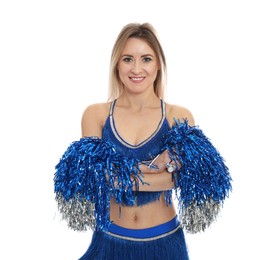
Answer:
(178, 112)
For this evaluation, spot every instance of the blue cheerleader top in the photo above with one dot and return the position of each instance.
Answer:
(145, 151)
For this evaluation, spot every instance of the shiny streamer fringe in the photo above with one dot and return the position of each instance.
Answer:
(197, 217)
(78, 212)
(203, 180)
(89, 173)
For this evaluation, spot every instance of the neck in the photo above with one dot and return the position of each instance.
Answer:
(138, 101)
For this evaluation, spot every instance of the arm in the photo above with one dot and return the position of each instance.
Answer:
(158, 178)
(173, 112)
(203, 180)
(75, 185)
(157, 166)
(93, 118)
(157, 182)
(179, 113)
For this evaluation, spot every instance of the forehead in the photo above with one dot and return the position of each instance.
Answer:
(136, 46)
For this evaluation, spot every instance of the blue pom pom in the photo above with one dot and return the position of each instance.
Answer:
(203, 178)
(90, 173)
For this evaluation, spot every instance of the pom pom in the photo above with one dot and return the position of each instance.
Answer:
(198, 216)
(77, 211)
(203, 180)
(87, 176)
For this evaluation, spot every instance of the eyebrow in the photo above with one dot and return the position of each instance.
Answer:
(144, 55)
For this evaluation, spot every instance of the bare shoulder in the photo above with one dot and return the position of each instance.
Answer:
(93, 119)
(179, 112)
(97, 110)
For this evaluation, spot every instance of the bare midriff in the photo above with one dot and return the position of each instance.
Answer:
(149, 215)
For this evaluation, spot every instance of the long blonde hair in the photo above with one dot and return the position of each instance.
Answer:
(144, 32)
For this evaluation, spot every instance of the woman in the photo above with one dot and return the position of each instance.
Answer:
(135, 150)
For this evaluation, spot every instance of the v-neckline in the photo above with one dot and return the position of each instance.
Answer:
(142, 143)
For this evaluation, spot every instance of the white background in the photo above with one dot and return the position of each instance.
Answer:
(223, 64)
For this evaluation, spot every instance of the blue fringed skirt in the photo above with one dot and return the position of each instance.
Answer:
(165, 241)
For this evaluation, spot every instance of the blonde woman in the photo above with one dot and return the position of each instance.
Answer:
(118, 179)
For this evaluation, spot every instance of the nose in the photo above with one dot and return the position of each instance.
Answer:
(136, 69)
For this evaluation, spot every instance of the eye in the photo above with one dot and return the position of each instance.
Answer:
(147, 59)
(127, 59)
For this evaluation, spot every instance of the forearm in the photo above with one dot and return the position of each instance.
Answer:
(157, 165)
(156, 182)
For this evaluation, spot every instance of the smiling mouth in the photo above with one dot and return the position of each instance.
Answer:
(137, 79)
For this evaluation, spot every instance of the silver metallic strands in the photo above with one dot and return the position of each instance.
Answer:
(196, 218)
(78, 213)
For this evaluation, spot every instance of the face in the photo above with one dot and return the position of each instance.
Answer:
(138, 66)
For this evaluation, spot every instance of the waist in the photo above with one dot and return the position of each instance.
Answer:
(138, 217)
(146, 233)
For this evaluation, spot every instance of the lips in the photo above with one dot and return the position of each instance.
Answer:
(137, 79)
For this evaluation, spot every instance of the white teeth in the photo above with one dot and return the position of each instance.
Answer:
(137, 79)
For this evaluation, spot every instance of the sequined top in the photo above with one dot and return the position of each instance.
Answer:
(145, 151)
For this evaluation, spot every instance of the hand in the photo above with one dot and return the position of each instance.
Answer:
(159, 164)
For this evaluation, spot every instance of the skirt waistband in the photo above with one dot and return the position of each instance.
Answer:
(145, 234)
